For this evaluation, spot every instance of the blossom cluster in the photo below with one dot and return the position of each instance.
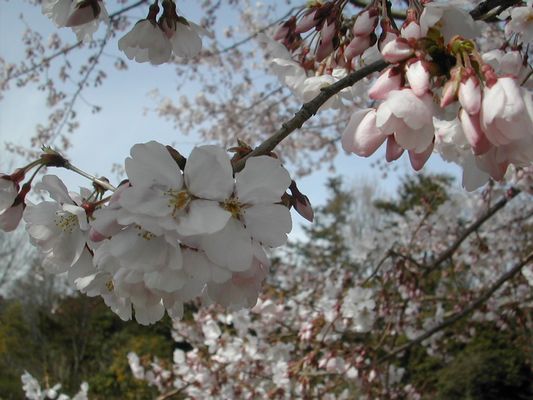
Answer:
(309, 337)
(33, 391)
(164, 237)
(439, 93)
(151, 39)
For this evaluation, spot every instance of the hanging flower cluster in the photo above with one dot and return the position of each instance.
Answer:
(439, 92)
(154, 41)
(83, 16)
(151, 39)
(165, 236)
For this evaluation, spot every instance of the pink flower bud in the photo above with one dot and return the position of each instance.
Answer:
(394, 151)
(411, 30)
(418, 160)
(397, 50)
(470, 95)
(356, 47)
(305, 209)
(474, 134)
(301, 203)
(10, 219)
(418, 77)
(307, 22)
(362, 136)
(449, 92)
(328, 31)
(324, 50)
(390, 79)
(366, 22)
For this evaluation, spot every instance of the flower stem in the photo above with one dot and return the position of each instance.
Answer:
(105, 185)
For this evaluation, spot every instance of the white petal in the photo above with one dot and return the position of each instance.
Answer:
(230, 248)
(208, 173)
(268, 223)
(149, 315)
(57, 189)
(151, 164)
(263, 180)
(204, 217)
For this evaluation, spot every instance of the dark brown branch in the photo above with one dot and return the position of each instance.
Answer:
(467, 310)
(308, 110)
(485, 7)
(512, 193)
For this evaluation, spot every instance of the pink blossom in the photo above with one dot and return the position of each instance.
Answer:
(357, 46)
(418, 77)
(393, 151)
(409, 118)
(473, 132)
(470, 95)
(390, 79)
(503, 112)
(366, 22)
(418, 160)
(361, 136)
(397, 50)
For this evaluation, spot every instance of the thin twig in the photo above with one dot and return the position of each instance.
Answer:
(467, 310)
(512, 193)
(308, 110)
(68, 49)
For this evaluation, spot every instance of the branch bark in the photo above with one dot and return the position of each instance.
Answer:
(308, 110)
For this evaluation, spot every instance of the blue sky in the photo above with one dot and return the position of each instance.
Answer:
(106, 137)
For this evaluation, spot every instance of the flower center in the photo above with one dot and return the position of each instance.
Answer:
(66, 222)
(109, 285)
(146, 235)
(178, 200)
(233, 206)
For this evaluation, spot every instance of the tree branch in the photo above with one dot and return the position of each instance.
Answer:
(485, 7)
(467, 310)
(308, 110)
(473, 227)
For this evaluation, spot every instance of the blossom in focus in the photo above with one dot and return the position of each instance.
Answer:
(408, 117)
(146, 42)
(58, 227)
(450, 19)
(184, 35)
(504, 117)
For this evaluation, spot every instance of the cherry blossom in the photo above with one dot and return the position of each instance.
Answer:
(83, 16)
(521, 23)
(59, 227)
(146, 42)
(8, 192)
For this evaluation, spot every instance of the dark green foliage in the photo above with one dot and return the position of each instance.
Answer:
(326, 236)
(491, 367)
(81, 340)
(428, 191)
